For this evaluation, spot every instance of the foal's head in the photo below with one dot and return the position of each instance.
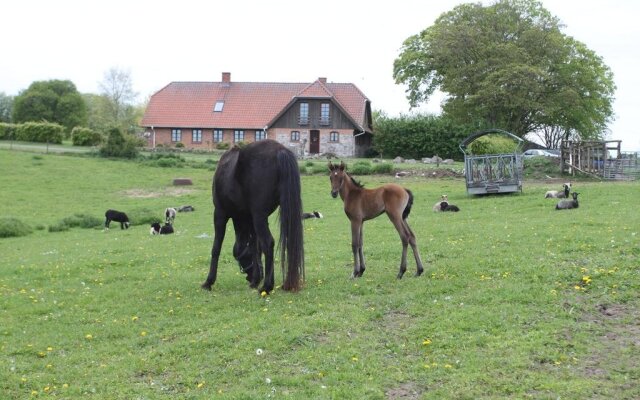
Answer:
(337, 177)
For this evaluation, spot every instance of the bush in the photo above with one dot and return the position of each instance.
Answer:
(82, 221)
(13, 227)
(492, 144)
(382, 168)
(85, 137)
(58, 227)
(179, 145)
(223, 146)
(360, 168)
(41, 132)
(144, 216)
(7, 131)
(320, 169)
(119, 145)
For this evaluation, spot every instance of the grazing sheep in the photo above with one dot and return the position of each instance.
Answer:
(169, 215)
(118, 216)
(438, 206)
(555, 194)
(445, 206)
(185, 208)
(314, 214)
(156, 229)
(568, 204)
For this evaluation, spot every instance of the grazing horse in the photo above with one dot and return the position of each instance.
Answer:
(248, 185)
(362, 204)
(118, 216)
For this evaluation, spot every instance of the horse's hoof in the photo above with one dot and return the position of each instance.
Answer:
(400, 274)
(419, 272)
(206, 286)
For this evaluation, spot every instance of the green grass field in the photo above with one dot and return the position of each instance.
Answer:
(518, 300)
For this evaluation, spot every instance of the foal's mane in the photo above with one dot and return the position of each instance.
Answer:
(355, 182)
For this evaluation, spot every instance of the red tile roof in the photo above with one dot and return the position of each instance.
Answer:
(247, 105)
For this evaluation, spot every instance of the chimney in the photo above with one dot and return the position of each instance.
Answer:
(226, 77)
(322, 80)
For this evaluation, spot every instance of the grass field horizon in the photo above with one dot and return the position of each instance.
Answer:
(518, 300)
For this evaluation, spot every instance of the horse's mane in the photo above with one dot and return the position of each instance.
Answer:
(355, 182)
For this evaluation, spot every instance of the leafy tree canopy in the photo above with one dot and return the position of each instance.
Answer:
(54, 101)
(508, 65)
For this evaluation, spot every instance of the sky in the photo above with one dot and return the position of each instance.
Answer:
(354, 41)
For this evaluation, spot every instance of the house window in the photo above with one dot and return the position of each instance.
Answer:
(295, 136)
(219, 106)
(324, 113)
(176, 135)
(334, 137)
(196, 136)
(238, 136)
(217, 135)
(304, 114)
(261, 135)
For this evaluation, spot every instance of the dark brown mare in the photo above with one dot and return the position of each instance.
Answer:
(248, 185)
(362, 204)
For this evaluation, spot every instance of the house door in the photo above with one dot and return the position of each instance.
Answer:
(314, 146)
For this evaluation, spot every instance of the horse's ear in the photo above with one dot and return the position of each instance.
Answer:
(342, 166)
(331, 166)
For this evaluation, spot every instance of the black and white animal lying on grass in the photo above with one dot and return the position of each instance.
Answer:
(156, 229)
(438, 206)
(185, 208)
(314, 214)
(445, 206)
(118, 216)
(555, 194)
(568, 204)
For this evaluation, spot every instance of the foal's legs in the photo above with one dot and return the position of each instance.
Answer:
(408, 238)
(356, 248)
(220, 223)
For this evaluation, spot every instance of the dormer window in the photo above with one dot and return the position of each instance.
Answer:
(304, 114)
(219, 106)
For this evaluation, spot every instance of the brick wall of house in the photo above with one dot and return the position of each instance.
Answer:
(344, 147)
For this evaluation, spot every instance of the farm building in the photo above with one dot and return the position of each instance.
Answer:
(310, 118)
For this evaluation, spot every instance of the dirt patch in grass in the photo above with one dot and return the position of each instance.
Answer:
(144, 193)
(406, 390)
(619, 341)
(431, 173)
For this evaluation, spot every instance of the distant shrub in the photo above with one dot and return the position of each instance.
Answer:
(7, 131)
(179, 145)
(360, 168)
(319, 169)
(58, 227)
(82, 221)
(223, 146)
(119, 145)
(13, 227)
(382, 168)
(41, 132)
(144, 216)
(85, 137)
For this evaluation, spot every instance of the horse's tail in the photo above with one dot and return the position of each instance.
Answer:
(291, 232)
(407, 209)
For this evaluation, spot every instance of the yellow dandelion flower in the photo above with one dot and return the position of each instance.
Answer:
(586, 279)
(41, 354)
(143, 333)
(577, 287)
(65, 385)
(200, 385)
(448, 366)
(426, 342)
(49, 348)
(88, 336)
(263, 293)
(354, 358)
(34, 392)
(134, 318)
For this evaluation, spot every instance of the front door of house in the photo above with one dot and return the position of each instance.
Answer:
(314, 146)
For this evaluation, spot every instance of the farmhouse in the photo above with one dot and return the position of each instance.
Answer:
(310, 118)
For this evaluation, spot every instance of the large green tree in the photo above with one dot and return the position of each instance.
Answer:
(508, 65)
(56, 101)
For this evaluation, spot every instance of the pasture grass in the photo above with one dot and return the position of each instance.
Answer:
(518, 300)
